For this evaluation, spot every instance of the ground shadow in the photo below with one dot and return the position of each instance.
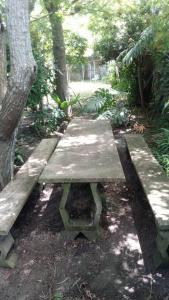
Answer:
(143, 216)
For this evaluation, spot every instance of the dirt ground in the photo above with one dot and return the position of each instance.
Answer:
(118, 266)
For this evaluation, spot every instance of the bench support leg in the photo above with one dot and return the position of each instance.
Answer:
(92, 231)
(162, 256)
(7, 256)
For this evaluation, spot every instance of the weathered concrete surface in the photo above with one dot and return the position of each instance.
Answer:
(15, 194)
(152, 177)
(87, 153)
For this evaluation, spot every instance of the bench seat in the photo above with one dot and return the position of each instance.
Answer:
(155, 184)
(152, 177)
(15, 194)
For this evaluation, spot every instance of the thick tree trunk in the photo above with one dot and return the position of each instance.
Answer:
(6, 161)
(59, 54)
(21, 78)
(3, 74)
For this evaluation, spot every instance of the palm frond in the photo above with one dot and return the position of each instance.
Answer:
(142, 44)
(122, 55)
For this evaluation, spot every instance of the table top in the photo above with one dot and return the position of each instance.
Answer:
(86, 153)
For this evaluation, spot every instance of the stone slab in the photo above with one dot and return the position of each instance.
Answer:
(16, 193)
(82, 132)
(87, 153)
(152, 177)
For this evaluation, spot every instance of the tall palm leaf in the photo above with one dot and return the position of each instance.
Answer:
(138, 49)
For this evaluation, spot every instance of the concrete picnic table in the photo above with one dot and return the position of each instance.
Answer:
(86, 153)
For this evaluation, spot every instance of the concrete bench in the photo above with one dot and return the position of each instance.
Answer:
(155, 184)
(15, 194)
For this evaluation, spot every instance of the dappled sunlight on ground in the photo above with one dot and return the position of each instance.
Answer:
(111, 268)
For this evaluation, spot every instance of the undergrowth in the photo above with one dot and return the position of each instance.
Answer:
(161, 149)
(109, 104)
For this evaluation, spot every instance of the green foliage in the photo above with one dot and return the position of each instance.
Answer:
(161, 86)
(48, 121)
(41, 35)
(163, 141)
(63, 105)
(108, 105)
(58, 295)
(2, 9)
(140, 47)
(75, 48)
(123, 78)
(19, 157)
(99, 102)
(41, 86)
(161, 151)
(136, 32)
(106, 47)
(119, 116)
(127, 81)
(118, 26)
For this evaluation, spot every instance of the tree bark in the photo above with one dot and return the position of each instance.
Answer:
(22, 75)
(59, 54)
(140, 88)
(59, 58)
(3, 73)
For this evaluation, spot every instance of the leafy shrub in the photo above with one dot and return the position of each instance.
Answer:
(109, 105)
(19, 157)
(163, 160)
(161, 151)
(127, 82)
(75, 46)
(163, 141)
(118, 116)
(161, 86)
(102, 100)
(41, 86)
(48, 121)
(63, 105)
(159, 121)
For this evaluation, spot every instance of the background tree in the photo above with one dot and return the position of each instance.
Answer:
(53, 8)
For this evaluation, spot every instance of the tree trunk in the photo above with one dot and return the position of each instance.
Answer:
(140, 88)
(59, 58)
(59, 54)
(22, 75)
(3, 78)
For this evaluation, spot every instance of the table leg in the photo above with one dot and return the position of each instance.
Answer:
(91, 230)
(98, 203)
(62, 209)
(161, 258)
